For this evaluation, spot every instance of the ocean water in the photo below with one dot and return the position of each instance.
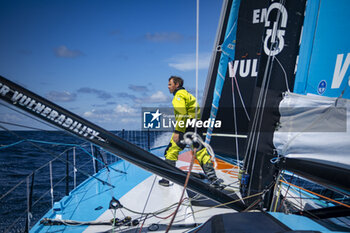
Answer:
(19, 161)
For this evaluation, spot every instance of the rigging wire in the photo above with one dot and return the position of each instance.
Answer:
(235, 120)
(149, 194)
(23, 126)
(259, 113)
(241, 98)
(316, 194)
(57, 157)
(31, 117)
(285, 74)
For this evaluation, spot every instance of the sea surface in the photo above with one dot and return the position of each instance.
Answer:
(24, 153)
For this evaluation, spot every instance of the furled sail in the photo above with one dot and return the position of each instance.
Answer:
(313, 138)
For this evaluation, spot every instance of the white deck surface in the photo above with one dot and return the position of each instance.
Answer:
(160, 198)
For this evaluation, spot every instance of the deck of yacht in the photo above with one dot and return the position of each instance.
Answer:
(149, 205)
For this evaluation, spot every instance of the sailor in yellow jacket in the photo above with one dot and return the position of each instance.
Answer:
(185, 108)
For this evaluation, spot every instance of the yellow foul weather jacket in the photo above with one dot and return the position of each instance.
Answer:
(184, 108)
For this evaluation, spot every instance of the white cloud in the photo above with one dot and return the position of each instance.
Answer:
(63, 96)
(124, 110)
(157, 97)
(187, 62)
(117, 114)
(63, 51)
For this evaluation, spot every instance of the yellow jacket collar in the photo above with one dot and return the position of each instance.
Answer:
(180, 88)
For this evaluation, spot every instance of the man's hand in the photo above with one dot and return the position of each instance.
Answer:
(176, 137)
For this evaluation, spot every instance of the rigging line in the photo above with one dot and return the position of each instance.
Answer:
(193, 152)
(13, 188)
(160, 211)
(62, 160)
(241, 98)
(36, 170)
(251, 136)
(252, 205)
(149, 194)
(234, 119)
(47, 192)
(294, 205)
(284, 72)
(343, 221)
(267, 75)
(259, 127)
(278, 196)
(284, 198)
(343, 91)
(14, 222)
(230, 202)
(12, 144)
(31, 117)
(257, 113)
(23, 126)
(307, 195)
(38, 120)
(253, 131)
(67, 144)
(274, 192)
(57, 144)
(319, 195)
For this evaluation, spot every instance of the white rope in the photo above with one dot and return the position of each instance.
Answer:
(235, 119)
(284, 72)
(191, 137)
(241, 98)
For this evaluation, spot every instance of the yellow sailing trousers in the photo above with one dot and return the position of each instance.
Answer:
(173, 149)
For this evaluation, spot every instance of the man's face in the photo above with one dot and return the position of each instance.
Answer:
(172, 86)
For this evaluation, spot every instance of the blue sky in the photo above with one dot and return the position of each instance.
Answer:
(104, 60)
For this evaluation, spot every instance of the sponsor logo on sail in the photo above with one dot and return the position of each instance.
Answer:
(274, 39)
(321, 87)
